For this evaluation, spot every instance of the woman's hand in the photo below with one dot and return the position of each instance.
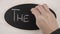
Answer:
(45, 19)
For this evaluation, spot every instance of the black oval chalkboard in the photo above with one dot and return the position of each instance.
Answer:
(20, 16)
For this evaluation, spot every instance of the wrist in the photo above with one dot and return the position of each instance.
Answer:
(53, 30)
(49, 30)
(57, 31)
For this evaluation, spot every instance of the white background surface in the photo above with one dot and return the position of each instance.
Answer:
(6, 4)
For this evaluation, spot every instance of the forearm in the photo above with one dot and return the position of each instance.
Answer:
(49, 30)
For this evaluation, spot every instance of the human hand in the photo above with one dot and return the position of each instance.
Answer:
(45, 19)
